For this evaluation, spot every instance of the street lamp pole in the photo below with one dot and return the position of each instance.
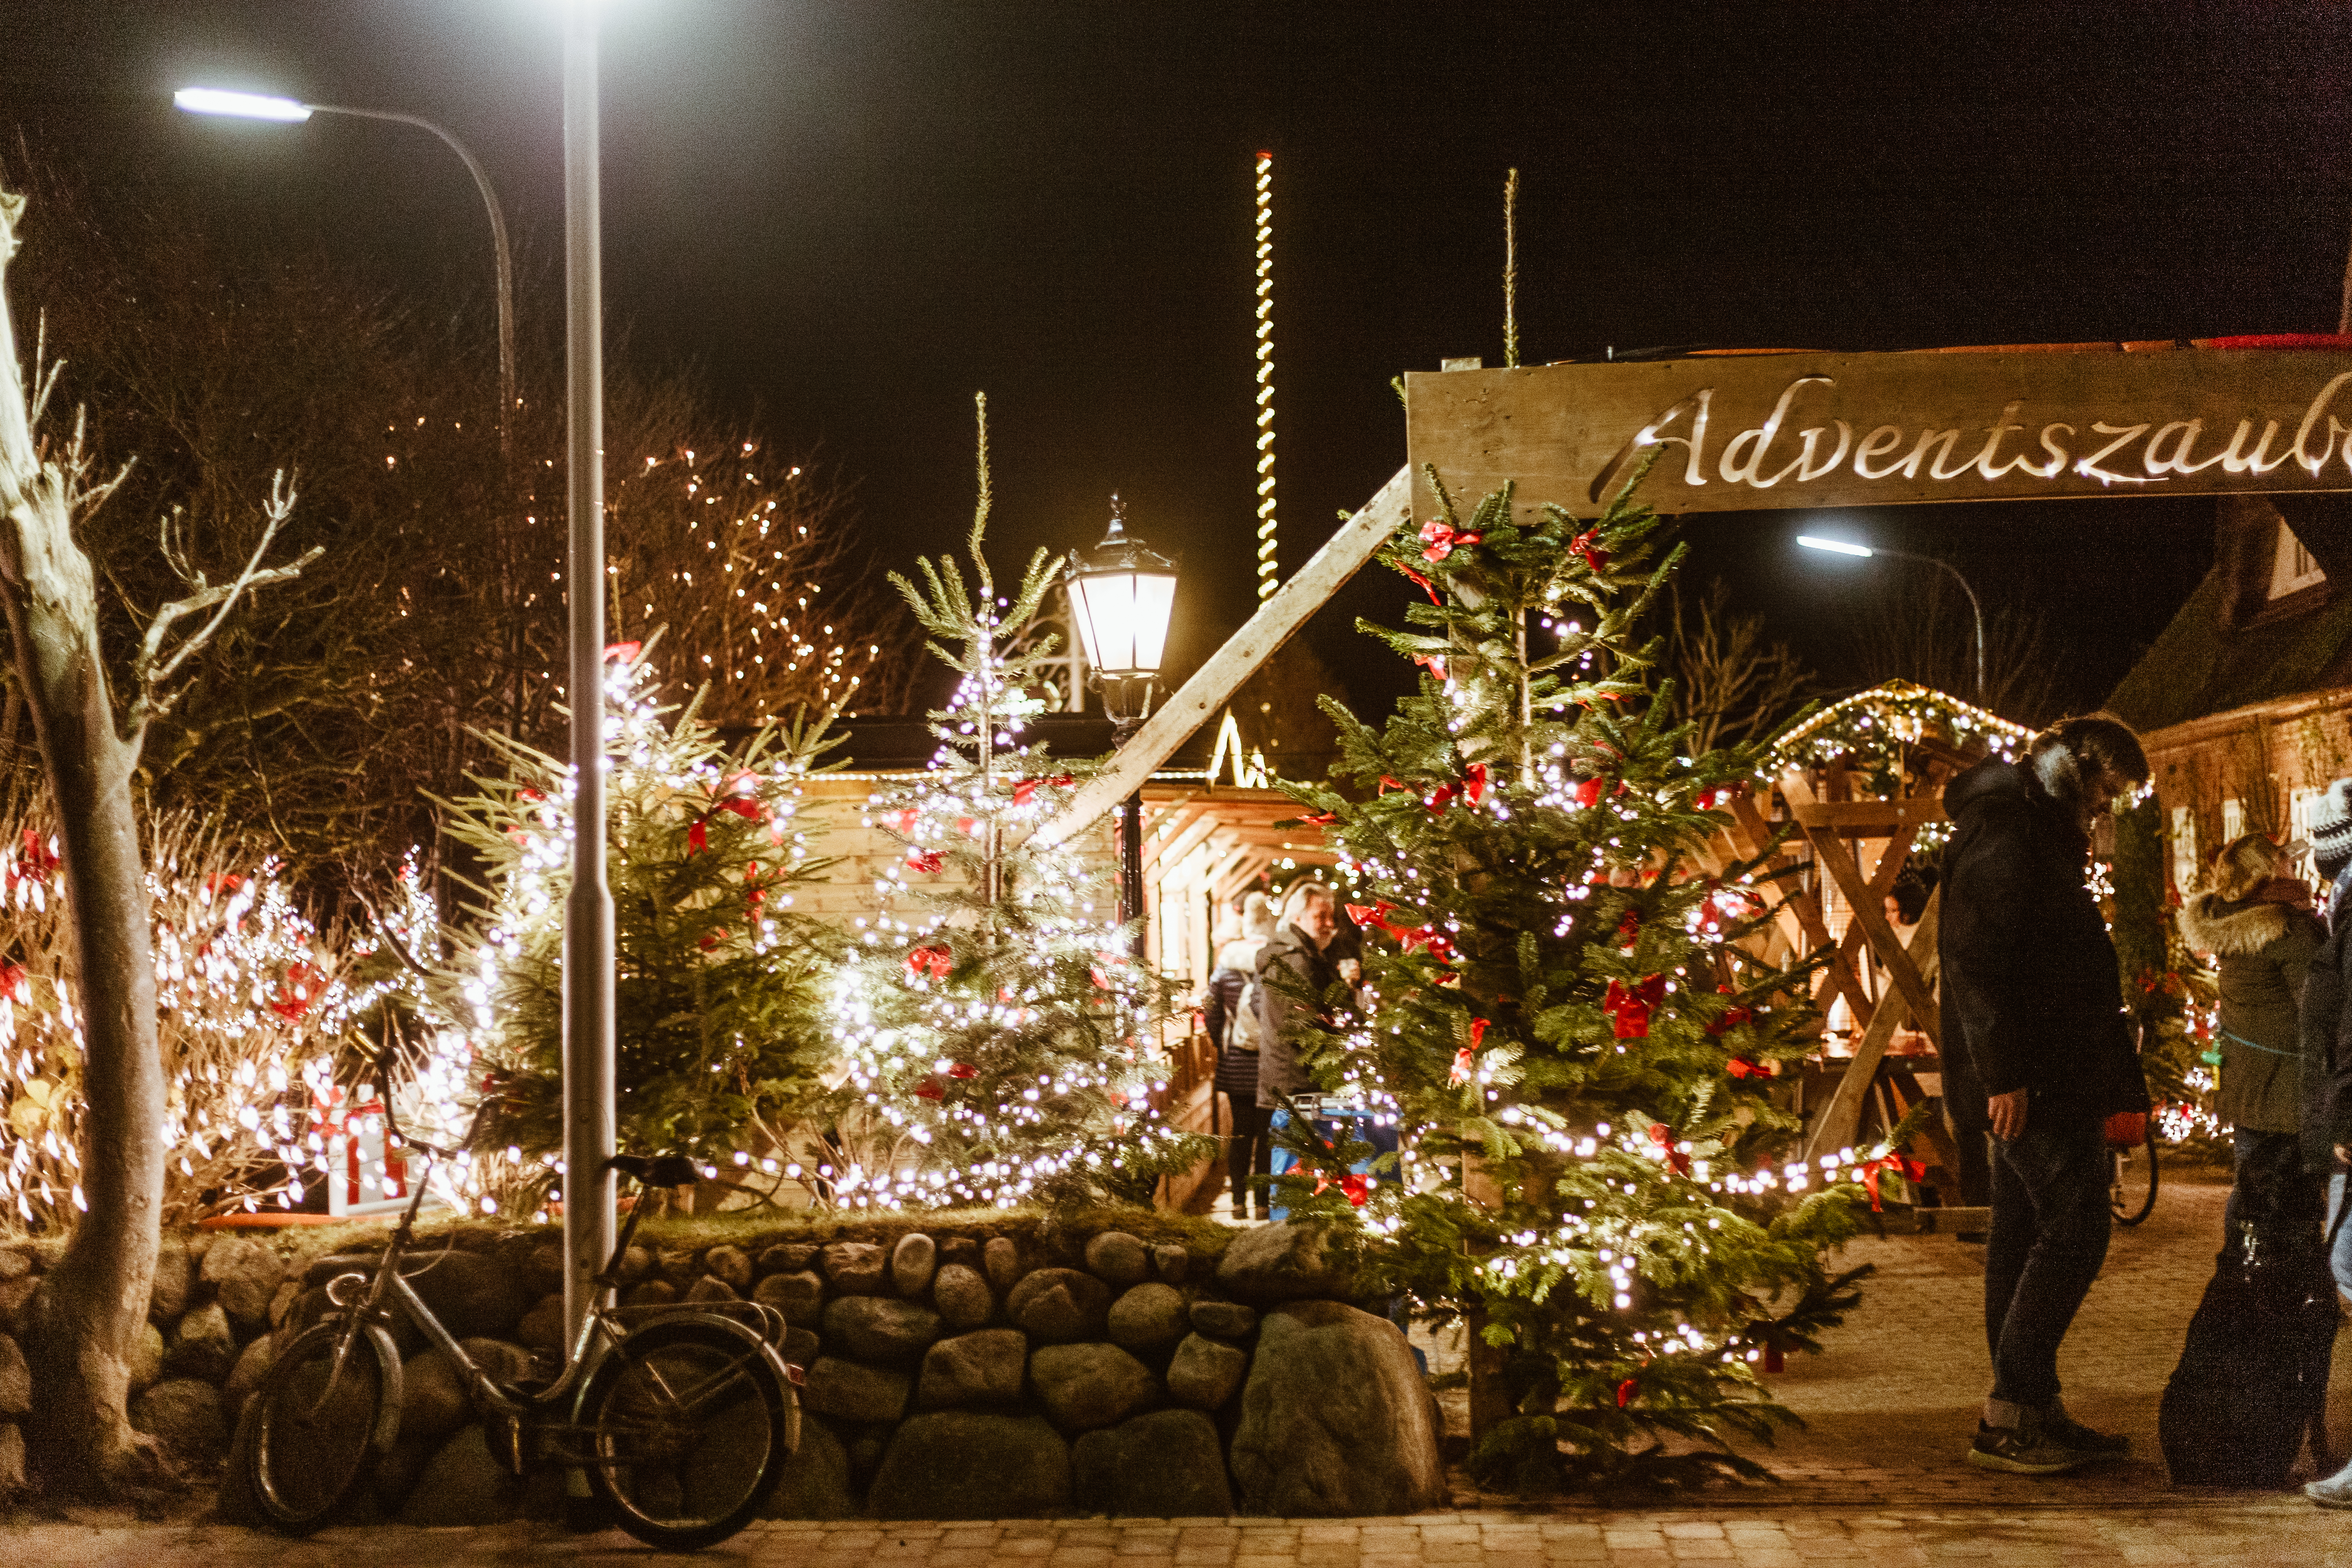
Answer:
(253, 106)
(1842, 547)
(589, 1074)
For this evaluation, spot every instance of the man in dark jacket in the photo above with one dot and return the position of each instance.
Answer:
(2036, 1043)
(1310, 923)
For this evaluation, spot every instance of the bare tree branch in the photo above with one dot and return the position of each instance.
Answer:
(153, 703)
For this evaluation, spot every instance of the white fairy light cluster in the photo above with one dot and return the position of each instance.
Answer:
(252, 1001)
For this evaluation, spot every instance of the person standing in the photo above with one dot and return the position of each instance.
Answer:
(1310, 923)
(2255, 919)
(1234, 1020)
(2034, 1032)
(2327, 1042)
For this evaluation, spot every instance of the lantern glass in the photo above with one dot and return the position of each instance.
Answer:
(1122, 618)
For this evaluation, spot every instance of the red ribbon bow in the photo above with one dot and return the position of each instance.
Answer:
(38, 862)
(963, 1070)
(1473, 783)
(1710, 796)
(1320, 819)
(1356, 1185)
(1588, 793)
(1732, 1017)
(1441, 947)
(937, 960)
(1025, 788)
(1743, 1066)
(926, 860)
(1625, 1391)
(1630, 1007)
(1426, 586)
(1443, 541)
(626, 652)
(295, 993)
(1370, 914)
(1467, 1056)
(1586, 544)
(929, 1089)
(1629, 930)
(1909, 1170)
(14, 984)
(1663, 1137)
(904, 821)
(1433, 662)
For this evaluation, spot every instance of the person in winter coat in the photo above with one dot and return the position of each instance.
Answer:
(2255, 919)
(1232, 1018)
(2037, 1051)
(1310, 922)
(2327, 1043)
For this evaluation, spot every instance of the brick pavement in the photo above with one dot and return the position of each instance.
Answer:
(1874, 1480)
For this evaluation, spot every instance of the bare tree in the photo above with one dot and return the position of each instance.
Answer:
(1923, 630)
(92, 1305)
(1731, 683)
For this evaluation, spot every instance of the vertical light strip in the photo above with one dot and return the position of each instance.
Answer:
(1265, 561)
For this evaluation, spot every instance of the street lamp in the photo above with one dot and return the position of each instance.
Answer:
(1121, 592)
(292, 111)
(1866, 552)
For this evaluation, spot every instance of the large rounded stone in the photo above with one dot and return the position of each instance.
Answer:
(911, 1263)
(711, 1287)
(963, 1463)
(176, 1282)
(1172, 1262)
(815, 1483)
(880, 1329)
(201, 1346)
(252, 1366)
(1058, 1305)
(462, 1484)
(799, 1297)
(1002, 1260)
(543, 1271)
(1086, 1386)
(964, 1249)
(1336, 1419)
(849, 1392)
(1204, 1372)
(985, 1368)
(1166, 1465)
(543, 1327)
(1270, 1262)
(1224, 1319)
(433, 1398)
(243, 1272)
(15, 1381)
(650, 1293)
(185, 1416)
(729, 1264)
(470, 1294)
(787, 1257)
(856, 1268)
(1119, 1257)
(963, 1297)
(800, 1347)
(1147, 1317)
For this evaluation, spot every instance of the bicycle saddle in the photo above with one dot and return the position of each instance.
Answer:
(657, 1170)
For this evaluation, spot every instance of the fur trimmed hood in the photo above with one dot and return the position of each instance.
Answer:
(2210, 924)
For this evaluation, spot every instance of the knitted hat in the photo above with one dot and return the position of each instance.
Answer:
(2331, 828)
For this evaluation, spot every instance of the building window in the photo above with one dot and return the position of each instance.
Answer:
(2234, 820)
(2304, 809)
(2184, 847)
(2292, 568)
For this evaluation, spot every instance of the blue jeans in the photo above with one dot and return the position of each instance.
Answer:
(2339, 1259)
(2050, 1230)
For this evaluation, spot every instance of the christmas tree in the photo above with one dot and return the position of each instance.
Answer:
(1002, 1045)
(1572, 1041)
(718, 978)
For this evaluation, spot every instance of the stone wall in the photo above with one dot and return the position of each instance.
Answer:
(952, 1372)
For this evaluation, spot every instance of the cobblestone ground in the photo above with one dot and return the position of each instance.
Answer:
(1874, 1480)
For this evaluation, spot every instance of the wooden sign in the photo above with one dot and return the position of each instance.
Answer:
(1801, 430)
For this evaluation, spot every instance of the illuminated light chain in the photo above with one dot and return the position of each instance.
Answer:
(1266, 565)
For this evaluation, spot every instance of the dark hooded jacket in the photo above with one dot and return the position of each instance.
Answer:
(2031, 995)
(1314, 973)
(2327, 1038)
(2265, 951)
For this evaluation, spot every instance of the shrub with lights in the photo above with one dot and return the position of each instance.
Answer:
(1001, 1045)
(1573, 1043)
(717, 978)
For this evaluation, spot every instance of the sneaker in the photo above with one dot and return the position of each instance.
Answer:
(2336, 1491)
(2023, 1450)
(2069, 1433)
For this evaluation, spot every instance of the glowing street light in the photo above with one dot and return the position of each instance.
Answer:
(1867, 551)
(293, 112)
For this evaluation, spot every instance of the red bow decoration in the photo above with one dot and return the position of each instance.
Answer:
(1025, 788)
(1443, 799)
(963, 1070)
(1587, 545)
(937, 960)
(295, 993)
(1387, 783)
(223, 881)
(1629, 930)
(1473, 783)
(698, 837)
(1320, 819)
(1732, 1017)
(1663, 1137)
(1909, 1170)
(964, 824)
(626, 652)
(1441, 947)
(1467, 1056)
(750, 810)
(904, 821)
(1630, 1007)
(38, 863)
(1356, 1185)
(1743, 1066)
(1625, 1391)
(1710, 796)
(1373, 915)
(754, 895)
(1426, 586)
(712, 941)
(1441, 539)
(929, 1089)
(926, 860)
(1433, 662)
(14, 984)
(1588, 793)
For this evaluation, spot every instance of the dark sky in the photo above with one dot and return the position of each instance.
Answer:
(853, 215)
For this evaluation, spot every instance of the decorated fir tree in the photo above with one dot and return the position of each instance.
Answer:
(1001, 1045)
(1574, 1044)
(718, 977)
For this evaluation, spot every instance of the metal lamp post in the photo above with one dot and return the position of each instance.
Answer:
(292, 111)
(1866, 552)
(1121, 594)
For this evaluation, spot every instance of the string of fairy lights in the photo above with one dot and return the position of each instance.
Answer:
(1266, 565)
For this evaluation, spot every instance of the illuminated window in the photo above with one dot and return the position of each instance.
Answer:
(2292, 568)
(2234, 820)
(2184, 846)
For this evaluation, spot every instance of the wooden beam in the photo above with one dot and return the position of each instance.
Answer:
(1871, 916)
(1214, 683)
(1887, 815)
(1841, 1119)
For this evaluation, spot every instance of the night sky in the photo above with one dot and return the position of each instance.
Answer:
(852, 215)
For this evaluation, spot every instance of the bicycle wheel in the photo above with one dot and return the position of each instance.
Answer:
(690, 1425)
(2132, 1191)
(317, 1428)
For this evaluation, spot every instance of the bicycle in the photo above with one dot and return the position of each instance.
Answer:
(2132, 1179)
(681, 1417)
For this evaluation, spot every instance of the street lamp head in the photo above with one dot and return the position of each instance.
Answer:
(1835, 547)
(240, 105)
(1122, 594)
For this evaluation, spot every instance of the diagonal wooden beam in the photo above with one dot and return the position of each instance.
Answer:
(1340, 558)
(1871, 916)
(1842, 1117)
